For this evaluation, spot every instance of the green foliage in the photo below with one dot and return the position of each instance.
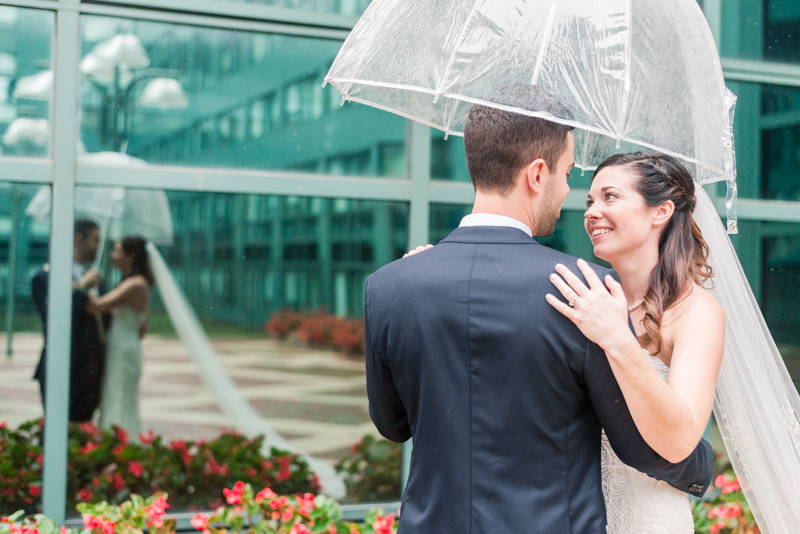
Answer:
(372, 470)
(104, 465)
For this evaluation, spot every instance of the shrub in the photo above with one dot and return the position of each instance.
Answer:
(284, 322)
(319, 329)
(103, 465)
(372, 470)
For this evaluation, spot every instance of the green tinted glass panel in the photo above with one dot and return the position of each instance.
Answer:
(761, 29)
(568, 237)
(770, 255)
(181, 95)
(26, 81)
(23, 253)
(241, 261)
(767, 133)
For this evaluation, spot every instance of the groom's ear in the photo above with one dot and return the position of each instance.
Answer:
(534, 173)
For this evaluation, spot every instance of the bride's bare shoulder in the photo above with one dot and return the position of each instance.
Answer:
(699, 309)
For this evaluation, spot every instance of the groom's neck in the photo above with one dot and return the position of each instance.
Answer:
(510, 206)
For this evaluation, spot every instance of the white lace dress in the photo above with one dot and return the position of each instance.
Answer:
(119, 403)
(636, 503)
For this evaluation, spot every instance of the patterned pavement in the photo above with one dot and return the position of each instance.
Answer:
(316, 399)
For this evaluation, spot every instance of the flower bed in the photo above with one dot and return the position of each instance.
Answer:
(726, 511)
(319, 329)
(264, 512)
(103, 465)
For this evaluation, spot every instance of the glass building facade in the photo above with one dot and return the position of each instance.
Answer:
(282, 197)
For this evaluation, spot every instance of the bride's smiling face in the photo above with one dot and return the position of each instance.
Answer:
(617, 218)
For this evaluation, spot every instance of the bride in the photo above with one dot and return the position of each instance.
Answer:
(639, 218)
(128, 302)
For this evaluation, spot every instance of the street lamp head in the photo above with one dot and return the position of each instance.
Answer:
(37, 86)
(124, 50)
(27, 131)
(102, 70)
(164, 93)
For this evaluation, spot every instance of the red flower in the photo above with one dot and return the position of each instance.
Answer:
(234, 496)
(266, 493)
(250, 472)
(277, 503)
(288, 512)
(147, 438)
(178, 445)
(156, 511)
(40, 459)
(118, 450)
(89, 447)
(122, 434)
(384, 524)
(306, 503)
(34, 490)
(297, 528)
(118, 482)
(200, 522)
(136, 469)
(91, 522)
(85, 495)
(285, 472)
(109, 527)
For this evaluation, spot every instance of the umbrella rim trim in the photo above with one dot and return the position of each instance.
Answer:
(723, 175)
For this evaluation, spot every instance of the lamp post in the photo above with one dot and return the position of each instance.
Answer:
(116, 67)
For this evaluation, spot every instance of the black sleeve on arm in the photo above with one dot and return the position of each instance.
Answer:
(692, 475)
(385, 405)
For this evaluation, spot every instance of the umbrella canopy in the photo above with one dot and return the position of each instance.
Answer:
(143, 212)
(635, 75)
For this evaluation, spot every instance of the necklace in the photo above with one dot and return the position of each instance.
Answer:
(635, 305)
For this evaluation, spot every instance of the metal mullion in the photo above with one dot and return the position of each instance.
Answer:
(746, 70)
(26, 170)
(248, 11)
(245, 181)
(210, 21)
(59, 316)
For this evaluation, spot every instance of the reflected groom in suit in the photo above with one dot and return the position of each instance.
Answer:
(87, 352)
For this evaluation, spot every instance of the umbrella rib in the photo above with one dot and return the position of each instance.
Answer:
(452, 58)
(546, 35)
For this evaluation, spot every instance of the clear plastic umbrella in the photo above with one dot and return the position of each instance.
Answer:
(636, 75)
(118, 211)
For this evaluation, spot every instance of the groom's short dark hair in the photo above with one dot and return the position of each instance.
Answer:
(500, 143)
(83, 227)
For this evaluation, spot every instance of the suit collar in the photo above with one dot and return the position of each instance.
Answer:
(489, 234)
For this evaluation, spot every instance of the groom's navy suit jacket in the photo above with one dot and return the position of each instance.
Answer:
(503, 396)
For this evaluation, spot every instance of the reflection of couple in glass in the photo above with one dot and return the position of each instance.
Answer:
(107, 327)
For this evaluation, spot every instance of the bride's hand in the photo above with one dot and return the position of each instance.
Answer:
(416, 250)
(600, 311)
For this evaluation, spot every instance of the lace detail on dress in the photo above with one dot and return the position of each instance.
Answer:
(636, 503)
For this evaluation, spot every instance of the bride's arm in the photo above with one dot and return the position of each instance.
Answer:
(670, 416)
(130, 292)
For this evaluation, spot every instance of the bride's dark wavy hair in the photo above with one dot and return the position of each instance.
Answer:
(682, 251)
(133, 245)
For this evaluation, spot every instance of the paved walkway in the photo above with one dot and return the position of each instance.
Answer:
(316, 399)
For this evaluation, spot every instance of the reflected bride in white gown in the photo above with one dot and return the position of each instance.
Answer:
(128, 302)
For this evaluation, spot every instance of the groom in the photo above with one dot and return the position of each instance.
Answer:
(502, 395)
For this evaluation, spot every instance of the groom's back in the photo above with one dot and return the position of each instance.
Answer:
(466, 355)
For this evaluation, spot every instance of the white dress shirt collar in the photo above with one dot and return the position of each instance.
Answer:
(491, 219)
